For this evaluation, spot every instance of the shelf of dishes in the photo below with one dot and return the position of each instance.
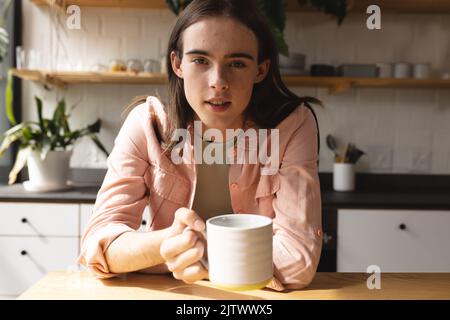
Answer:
(333, 84)
(398, 6)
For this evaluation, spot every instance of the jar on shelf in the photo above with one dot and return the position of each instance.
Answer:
(135, 66)
(117, 65)
(152, 66)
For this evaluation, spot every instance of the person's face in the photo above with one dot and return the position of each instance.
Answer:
(219, 63)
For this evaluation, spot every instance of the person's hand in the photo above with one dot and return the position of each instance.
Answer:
(183, 248)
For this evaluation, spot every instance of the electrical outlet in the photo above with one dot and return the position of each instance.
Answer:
(420, 161)
(380, 157)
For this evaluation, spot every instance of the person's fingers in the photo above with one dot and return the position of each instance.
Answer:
(185, 217)
(192, 273)
(173, 246)
(186, 258)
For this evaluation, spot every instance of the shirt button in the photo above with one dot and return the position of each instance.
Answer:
(319, 232)
(234, 186)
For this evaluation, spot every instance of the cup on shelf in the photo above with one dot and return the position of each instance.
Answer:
(385, 70)
(344, 176)
(152, 66)
(422, 70)
(117, 65)
(135, 66)
(402, 70)
(21, 58)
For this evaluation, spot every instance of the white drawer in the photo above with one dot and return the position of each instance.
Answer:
(85, 214)
(86, 211)
(19, 271)
(35, 219)
(394, 240)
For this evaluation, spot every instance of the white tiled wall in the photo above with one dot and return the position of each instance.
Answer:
(402, 130)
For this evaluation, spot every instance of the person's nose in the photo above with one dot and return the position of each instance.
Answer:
(218, 79)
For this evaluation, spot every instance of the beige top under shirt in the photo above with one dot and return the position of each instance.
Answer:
(212, 193)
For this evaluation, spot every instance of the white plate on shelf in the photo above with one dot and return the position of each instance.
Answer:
(28, 186)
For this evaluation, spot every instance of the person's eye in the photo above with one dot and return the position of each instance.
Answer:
(238, 64)
(199, 61)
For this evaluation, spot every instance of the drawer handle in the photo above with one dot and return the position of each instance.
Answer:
(144, 222)
(24, 220)
(402, 226)
(23, 253)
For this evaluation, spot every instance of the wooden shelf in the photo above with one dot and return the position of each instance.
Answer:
(63, 78)
(340, 84)
(399, 6)
(334, 84)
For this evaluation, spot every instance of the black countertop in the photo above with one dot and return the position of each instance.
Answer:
(372, 191)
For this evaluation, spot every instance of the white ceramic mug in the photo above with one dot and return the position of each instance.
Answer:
(343, 176)
(422, 70)
(239, 250)
(402, 70)
(385, 70)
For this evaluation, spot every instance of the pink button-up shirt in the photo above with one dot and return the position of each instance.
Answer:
(139, 175)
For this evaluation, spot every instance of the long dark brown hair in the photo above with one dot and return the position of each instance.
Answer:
(271, 100)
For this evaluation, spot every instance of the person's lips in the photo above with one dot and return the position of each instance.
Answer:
(218, 104)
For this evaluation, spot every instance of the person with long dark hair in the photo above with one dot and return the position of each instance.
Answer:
(223, 75)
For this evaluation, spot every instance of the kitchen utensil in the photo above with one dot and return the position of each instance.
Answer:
(348, 152)
(332, 145)
(356, 154)
(352, 154)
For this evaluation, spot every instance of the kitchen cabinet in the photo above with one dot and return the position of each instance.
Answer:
(36, 238)
(394, 240)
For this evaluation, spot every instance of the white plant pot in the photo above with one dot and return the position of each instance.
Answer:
(49, 174)
(343, 176)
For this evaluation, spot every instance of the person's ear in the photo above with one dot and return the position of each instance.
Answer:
(176, 64)
(263, 69)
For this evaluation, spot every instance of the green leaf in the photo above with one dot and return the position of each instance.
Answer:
(59, 114)
(39, 111)
(8, 140)
(99, 144)
(274, 11)
(9, 99)
(21, 159)
(46, 147)
(279, 39)
(92, 128)
(18, 127)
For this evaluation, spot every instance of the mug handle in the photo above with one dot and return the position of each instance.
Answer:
(204, 259)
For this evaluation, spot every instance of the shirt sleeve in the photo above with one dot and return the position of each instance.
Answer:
(123, 195)
(297, 204)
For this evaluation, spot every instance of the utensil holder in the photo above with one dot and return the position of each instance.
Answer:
(343, 176)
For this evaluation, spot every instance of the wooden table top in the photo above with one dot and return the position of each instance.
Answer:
(330, 286)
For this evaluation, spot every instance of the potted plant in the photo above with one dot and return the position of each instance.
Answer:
(46, 146)
(274, 12)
